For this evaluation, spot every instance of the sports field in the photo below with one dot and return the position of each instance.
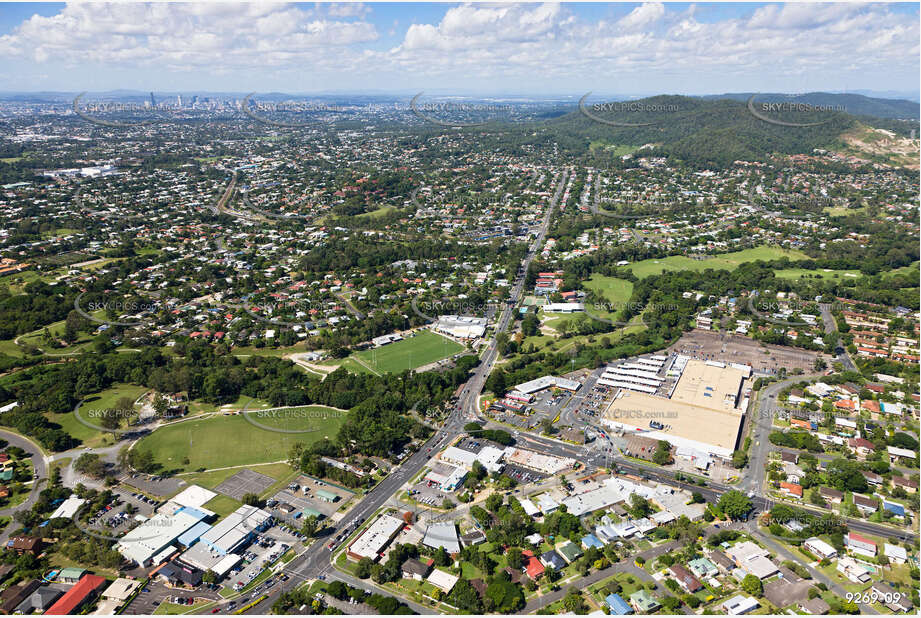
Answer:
(423, 348)
(232, 440)
(725, 261)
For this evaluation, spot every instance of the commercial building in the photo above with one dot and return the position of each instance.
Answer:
(442, 534)
(237, 529)
(372, 542)
(543, 382)
(460, 327)
(700, 416)
(489, 457)
(152, 541)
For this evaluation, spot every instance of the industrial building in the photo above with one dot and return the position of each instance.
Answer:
(155, 539)
(237, 529)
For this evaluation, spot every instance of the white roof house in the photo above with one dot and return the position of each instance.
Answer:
(739, 605)
(441, 580)
(820, 547)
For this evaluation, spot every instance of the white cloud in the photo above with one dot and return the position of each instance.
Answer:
(653, 47)
(193, 36)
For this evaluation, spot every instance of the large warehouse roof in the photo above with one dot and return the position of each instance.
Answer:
(700, 415)
(235, 528)
(157, 533)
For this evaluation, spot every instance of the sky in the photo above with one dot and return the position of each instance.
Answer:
(478, 48)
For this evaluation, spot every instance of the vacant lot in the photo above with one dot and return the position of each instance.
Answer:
(423, 348)
(224, 441)
(724, 261)
(712, 345)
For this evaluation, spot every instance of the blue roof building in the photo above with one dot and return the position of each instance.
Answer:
(191, 535)
(617, 606)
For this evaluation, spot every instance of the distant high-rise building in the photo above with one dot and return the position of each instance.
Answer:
(179, 100)
(153, 101)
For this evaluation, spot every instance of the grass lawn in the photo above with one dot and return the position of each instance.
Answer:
(223, 505)
(615, 290)
(225, 441)
(100, 401)
(911, 270)
(376, 214)
(725, 261)
(423, 348)
(819, 273)
(349, 364)
(172, 609)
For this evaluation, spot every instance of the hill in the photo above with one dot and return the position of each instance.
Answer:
(708, 132)
(853, 104)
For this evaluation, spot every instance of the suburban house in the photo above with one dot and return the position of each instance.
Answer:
(860, 545)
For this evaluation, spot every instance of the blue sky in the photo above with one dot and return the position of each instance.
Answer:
(651, 48)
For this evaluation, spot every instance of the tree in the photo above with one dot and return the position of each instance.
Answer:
(514, 557)
(310, 525)
(739, 459)
(697, 498)
(735, 504)
(250, 499)
(662, 455)
(752, 585)
(639, 506)
(363, 568)
(671, 603)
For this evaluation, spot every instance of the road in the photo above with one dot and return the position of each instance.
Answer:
(40, 471)
(315, 560)
(762, 417)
